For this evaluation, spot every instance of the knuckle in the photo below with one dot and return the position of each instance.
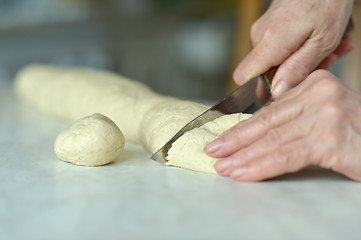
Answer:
(284, 157)
(273, 137)
(331, 160)
(330, 86)
(255, 32)
(299, 68)
(319, 74)
(332, 111)
(326, 42)
(233, 139)
(264, 117)
(327, 85)
(269, 33)
(336, 137)
(281, 52)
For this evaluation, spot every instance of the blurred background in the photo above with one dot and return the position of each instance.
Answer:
(183, 48)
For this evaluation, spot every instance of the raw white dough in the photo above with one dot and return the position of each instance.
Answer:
(144, 116)
(165, 119)
(188, 150)
(91, 141)
(72, 93)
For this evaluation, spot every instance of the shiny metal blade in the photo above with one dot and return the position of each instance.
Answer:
(248, 98)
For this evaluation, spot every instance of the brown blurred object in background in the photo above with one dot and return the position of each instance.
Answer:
(351, 71)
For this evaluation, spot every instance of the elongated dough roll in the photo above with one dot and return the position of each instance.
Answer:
(71, 93)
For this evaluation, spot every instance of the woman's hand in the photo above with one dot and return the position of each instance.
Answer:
(299, 37)
(316, 123)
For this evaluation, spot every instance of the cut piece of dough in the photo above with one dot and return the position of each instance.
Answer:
(165, 119)
(91, 141)
(188, 150)
(71, 93)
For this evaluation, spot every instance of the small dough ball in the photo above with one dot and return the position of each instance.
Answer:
(91, 141)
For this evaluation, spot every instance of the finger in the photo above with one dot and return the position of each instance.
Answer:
(302, 91)
(285, 159)
(250, 130)
(274, 139)
(259, 27)
(346, 46)
(328, 62)
(296, 67)
(297, 91)
(271, 51)
(310, 56)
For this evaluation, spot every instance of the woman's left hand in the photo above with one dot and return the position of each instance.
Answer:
(316, 123)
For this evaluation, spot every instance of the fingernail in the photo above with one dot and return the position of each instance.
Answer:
(222, 165)
(239, 173)
(280, 88)
(214, 146)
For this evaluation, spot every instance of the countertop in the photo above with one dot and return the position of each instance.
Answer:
(42, 197)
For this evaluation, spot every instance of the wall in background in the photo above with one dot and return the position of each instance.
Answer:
(179, 48)
(183, 48)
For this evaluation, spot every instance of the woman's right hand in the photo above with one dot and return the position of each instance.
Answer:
(299, 37)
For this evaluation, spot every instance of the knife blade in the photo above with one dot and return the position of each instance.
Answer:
(248, 98)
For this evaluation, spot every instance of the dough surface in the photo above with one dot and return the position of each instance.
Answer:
(144, 116)
(91, 141)
(71, 93)
(187, 151)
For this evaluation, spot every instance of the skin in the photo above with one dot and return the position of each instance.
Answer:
(294, 132)
(314, 119)
(299, 37)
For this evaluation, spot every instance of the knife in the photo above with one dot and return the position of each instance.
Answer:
(249, 98)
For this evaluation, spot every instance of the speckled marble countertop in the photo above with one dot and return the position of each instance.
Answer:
(137, 198)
